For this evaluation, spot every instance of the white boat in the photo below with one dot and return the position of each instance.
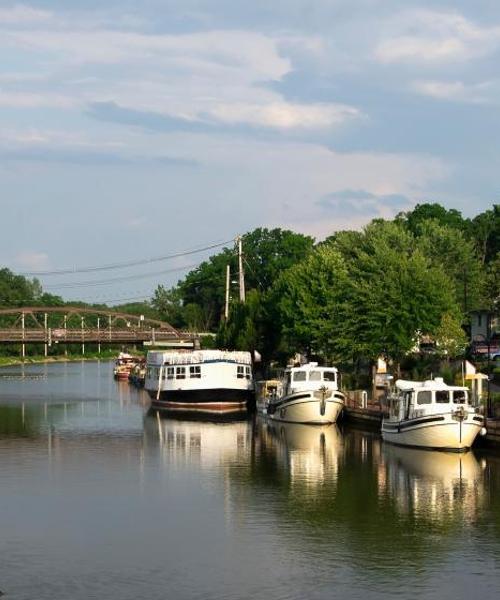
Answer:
(431, 414)
(308, 394)
(205, 380)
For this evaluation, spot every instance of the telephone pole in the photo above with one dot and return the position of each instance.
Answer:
(241, 272)
(228, 282)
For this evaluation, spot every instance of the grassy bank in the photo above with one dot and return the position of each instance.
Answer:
(8, 361)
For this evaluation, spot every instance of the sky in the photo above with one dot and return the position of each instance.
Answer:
(136, 129)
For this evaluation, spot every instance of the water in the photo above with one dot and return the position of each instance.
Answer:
(100, 499)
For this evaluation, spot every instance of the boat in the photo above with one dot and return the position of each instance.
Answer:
(431, 414)
(203, 380)
(123, 365)
(308, 394)
(137, 374)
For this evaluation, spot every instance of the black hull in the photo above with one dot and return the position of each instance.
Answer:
(212, 400)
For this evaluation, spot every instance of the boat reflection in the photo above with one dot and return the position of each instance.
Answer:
(204, 441)
(309, 454)
(431, 485)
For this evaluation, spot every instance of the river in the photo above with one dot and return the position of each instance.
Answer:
(100, 498)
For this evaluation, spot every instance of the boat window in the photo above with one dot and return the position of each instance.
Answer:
(299, 376)
(170, 372)
(240, 372)
(424, 397)
(442, 396)
(195, 372)
(315, 376)
(247, 372)
(329, 375)
(180, 373)
(459, 397)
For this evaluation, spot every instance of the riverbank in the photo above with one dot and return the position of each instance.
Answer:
(11, 361)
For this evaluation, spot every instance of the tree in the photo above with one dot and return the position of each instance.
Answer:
(311, 298)
(450, 338)
(168, 304)
(450, 248)
(392, 291)
(425, 212)
(16, 290)
(485, 230)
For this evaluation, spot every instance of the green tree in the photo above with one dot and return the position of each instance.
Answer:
(435, 212)
(450, 338)
(168, 305)
(450, 248)
(485, 230)
(312, 294)
(393, 291)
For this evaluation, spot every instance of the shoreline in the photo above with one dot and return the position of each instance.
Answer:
(37, 360)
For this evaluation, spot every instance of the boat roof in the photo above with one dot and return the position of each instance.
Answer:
(310, 366)
(429, 384)
(198, 356)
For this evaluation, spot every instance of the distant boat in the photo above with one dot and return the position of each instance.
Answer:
(123, 365)
(202, 380)
(431, 414)
(308, 394)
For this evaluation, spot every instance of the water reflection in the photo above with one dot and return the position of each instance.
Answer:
(197, 441)
(96, 488)
(433, 486)
(308, 454)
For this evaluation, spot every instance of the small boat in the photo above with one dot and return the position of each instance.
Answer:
(137, 375)
(308, 394)
(204, 380)
(431, 414)
(123, 365)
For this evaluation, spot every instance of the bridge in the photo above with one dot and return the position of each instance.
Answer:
(50, 325)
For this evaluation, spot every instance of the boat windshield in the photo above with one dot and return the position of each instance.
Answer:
(460, 397)
(299, 376)
(315, 376)
(442, 396)
(329, 375)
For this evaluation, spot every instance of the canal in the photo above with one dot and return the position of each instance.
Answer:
(101, 499)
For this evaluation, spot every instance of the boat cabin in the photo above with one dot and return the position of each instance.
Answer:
(310, 377)
(419, 398)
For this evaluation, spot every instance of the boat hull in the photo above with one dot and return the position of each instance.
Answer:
(443, 434)
(305, 407)
(221, 400)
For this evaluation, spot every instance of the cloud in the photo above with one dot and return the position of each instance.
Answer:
(32, 261)
(21, 14)
(197, 80)
(478, 93)
(425, 36)
(355, 203)
(285, 115)
(81, 157)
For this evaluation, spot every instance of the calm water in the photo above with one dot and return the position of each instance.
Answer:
(99, 499)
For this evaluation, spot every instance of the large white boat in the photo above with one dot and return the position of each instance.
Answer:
(206, 380)
(431, 414)
(307, 394)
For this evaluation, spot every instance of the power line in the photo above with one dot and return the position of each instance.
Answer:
(123, 265)
(98, 282)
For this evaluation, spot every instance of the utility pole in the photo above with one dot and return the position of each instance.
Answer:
(228, 282)
(241, 272)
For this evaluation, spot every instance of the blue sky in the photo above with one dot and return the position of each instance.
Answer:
(135, 129)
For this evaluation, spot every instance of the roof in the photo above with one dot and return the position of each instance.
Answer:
(429, 384)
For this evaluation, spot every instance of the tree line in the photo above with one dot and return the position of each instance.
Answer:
(355, 296)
